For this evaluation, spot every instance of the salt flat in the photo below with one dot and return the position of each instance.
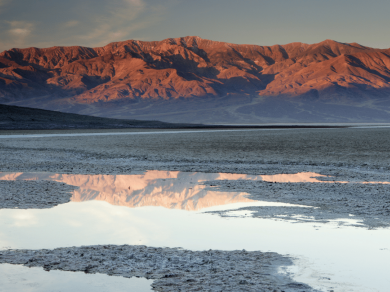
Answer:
(350, 194)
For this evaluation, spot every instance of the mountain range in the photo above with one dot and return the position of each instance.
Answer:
(191, 79)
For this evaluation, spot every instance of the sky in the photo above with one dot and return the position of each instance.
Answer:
(93, 23)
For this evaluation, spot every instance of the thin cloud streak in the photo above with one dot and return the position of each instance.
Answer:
(71, 23)
(117, 24)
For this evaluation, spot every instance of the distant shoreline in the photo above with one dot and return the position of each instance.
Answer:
(178, 127)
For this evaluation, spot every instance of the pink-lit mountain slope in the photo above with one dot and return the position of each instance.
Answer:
(185, 79)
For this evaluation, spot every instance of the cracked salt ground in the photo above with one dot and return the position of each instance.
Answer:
(327, 256)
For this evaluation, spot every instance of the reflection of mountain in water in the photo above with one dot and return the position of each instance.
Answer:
(169, 189)
(172, 190)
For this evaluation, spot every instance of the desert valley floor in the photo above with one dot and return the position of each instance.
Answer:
(195, 210)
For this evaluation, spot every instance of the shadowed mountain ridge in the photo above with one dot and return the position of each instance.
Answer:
(23, 118)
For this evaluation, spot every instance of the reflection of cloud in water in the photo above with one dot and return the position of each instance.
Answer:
(169, 189)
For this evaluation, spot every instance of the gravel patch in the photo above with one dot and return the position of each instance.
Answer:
(171, 269)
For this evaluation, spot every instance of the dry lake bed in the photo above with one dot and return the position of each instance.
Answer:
(195, 210)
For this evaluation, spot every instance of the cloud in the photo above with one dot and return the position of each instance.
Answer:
(71, 23)
(89, 23)
(118, 22)
(19, 32)
(20, 29)
(15, 34)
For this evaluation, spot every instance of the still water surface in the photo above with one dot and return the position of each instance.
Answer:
(23, 279)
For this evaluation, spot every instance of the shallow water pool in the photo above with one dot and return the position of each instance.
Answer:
(167, 209)
(20, 278)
